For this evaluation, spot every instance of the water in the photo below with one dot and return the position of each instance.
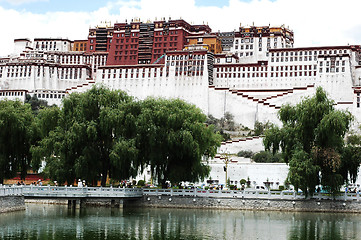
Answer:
(59, 222)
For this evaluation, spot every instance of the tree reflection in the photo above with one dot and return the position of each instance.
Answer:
(316, 228)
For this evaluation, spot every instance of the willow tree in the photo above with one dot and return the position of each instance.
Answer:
(103, 133)
(173, 139)
(89, 126)
(16, 134)
(312, 142)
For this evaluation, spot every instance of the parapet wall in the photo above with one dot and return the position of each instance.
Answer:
(11, 203)
(287, 205)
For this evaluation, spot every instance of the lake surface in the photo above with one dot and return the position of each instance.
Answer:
(59, 222)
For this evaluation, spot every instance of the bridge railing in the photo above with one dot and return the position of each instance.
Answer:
(248, 193)
(10, 190)
(69, 191)
(65, 191)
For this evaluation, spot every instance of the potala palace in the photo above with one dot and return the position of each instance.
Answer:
(249, 73)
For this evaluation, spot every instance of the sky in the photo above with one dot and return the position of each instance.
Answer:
(314, 22)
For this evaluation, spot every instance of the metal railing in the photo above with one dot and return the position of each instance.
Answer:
(251, 193)
(11, 191)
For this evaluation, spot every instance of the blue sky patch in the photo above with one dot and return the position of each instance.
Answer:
(41, 7)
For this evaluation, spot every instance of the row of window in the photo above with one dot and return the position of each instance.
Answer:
(265, 68)
(185, 63)
(127, 46)
(131, 75)
(11, 94)
(189, 68)
(244, 54)
(291, 68)
(189, 73)
(251, 40)
(291, 59)
(120, 58)
(234, 69)
(125, 52)
(133, 40)
(50, 95)
(171, 44)
(26, 71)
(78, 59)
(128, 70)
(159, 33)
(300, 53)
(265, 74)
(185, 57)
(337, 63)
(332, 70)
(165, 39)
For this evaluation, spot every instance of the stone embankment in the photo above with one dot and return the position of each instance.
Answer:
(11, 203)
(11, 199)
(296, 205)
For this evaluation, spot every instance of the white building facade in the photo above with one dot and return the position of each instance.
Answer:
(260, 73)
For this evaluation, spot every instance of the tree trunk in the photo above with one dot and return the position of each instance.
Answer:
(164, 184)
(104, 178)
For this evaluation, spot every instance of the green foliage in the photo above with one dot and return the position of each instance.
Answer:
(103, 133)
(351, 157)
(267, 157)
(16, 135)
(245, 154)
(312, 142)
(141, 183)
(243, 181)
(303, 173)
(170, 132)
(89, 129)
(35, 103)
(260, 128)
(222, 125)
(281, 187)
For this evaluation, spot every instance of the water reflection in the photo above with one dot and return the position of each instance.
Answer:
(326, 226)
(59, 222)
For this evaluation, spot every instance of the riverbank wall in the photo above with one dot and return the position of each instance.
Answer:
(77, 203)
(11, 203)
(287, 205)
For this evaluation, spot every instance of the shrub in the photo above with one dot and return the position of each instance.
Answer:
(233, 187)
(243, 181)
(246, 154)
(267, 157)
(141, 183)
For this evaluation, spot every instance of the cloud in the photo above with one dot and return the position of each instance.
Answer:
(20, 2)
(315, 23)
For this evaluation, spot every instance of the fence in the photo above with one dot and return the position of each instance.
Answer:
(260, 194)
(109, 192)
(80, 192)
(11, 191)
